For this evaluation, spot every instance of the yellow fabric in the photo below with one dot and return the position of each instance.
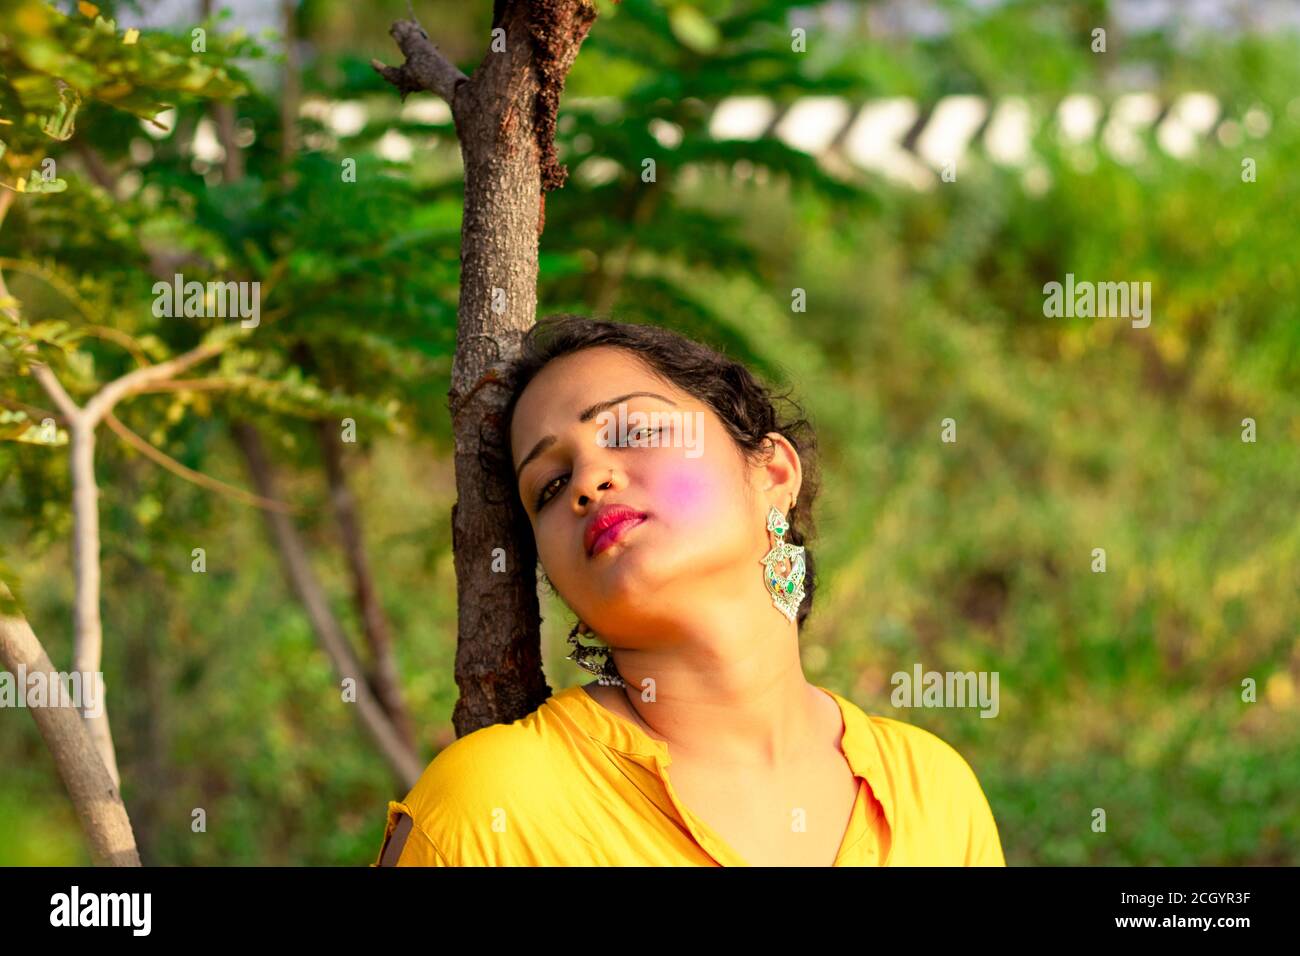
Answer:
(574, 784)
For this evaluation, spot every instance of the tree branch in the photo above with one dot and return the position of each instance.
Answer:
(159, 457)
(54, 388)
(96, 168)
(365, 594)
(402, 758)
(141, 378)
(94, 793)
(404, 761)
(88, 641)
(88, 632)
(425, 67)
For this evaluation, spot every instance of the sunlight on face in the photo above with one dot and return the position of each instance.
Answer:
(703, 527)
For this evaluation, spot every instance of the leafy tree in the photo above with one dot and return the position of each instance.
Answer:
(50, 65)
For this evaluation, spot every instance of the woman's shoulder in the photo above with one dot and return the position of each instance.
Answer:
(924, 750)
(929, 763)
(496, 768)
(899, 744)
(934, 781)
(494, 796)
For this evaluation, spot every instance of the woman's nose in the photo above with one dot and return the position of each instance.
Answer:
(596, 483)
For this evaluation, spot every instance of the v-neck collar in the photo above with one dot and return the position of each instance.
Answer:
(858, 742)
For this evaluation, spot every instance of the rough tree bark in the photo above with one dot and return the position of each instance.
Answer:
(505, 120)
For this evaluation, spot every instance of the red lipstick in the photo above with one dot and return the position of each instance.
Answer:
(607, 525)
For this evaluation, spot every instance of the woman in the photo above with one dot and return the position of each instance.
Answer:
(669, 504)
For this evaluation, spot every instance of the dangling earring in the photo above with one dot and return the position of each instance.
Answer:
(585, 657)
(786, 587)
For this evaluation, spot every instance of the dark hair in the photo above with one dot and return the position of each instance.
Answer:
(745, 406)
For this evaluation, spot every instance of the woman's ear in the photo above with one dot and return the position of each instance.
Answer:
(782, 472)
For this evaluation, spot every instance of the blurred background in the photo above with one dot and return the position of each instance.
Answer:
(919, 170)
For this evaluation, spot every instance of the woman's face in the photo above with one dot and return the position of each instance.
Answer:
(703, 532)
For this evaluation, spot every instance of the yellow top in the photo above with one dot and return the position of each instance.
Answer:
(574, 784)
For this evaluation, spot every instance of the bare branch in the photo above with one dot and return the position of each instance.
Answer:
(88, 636)
(370, 609)
(142, 378)
(54, 388)
(94, 792)
(82, 422)
(147, 379)
(402, 759)
(159, 457)
(425, 67)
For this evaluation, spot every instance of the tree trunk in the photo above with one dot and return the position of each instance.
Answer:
(89, 642)
(94, 794)
(88, 634)
(505, 118)
(81, 423)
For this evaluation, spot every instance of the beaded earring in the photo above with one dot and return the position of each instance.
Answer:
(589, 659)
(785, 586)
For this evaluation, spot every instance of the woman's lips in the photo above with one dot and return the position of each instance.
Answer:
(616, 531)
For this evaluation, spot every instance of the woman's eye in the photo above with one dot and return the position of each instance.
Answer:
(542, 497)
(648, 430)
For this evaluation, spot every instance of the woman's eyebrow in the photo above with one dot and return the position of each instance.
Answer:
(587, 415)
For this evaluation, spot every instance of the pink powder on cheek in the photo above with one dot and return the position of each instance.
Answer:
(686, 490)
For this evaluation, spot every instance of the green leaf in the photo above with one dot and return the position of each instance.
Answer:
(693, 28)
